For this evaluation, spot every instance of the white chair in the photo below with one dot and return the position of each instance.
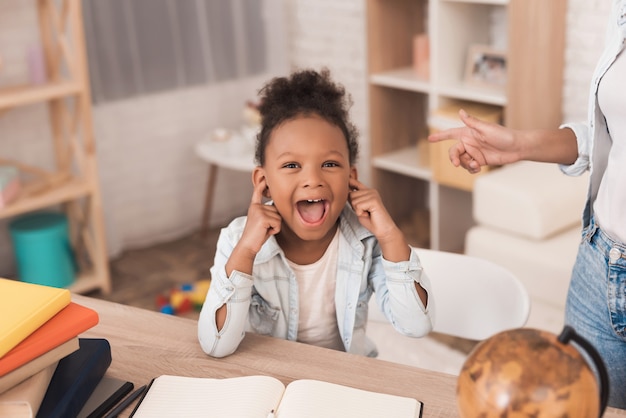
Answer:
(474, 299)
(528, 217)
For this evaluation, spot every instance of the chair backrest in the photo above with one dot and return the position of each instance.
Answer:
(474, 298)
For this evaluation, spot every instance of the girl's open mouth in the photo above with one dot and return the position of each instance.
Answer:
(312, 211)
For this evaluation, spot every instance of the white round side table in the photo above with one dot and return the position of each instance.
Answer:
(235, 153)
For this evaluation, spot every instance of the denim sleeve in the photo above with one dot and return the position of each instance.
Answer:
(583, 139)
(234, 291)
(397, 297)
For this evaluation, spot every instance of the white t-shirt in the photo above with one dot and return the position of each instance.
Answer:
(317, 322)
(610, 205)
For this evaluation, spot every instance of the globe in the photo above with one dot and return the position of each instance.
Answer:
(527, 373)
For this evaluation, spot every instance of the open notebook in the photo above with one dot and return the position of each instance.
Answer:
(259, 396)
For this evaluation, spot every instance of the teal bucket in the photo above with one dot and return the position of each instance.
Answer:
(42, 249)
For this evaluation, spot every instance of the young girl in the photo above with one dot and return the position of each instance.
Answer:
(303, 265)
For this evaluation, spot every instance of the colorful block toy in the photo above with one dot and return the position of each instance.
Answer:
(184, 298)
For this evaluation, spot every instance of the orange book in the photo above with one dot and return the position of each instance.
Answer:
(24, 307)
(67, 324)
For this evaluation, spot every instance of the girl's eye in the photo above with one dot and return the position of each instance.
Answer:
(290, 165)
(330, 164)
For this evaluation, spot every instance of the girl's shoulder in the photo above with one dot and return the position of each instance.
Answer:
(234, 229)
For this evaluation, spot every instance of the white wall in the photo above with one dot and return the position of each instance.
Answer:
(152, 183)
(332, 33)
(586, 23)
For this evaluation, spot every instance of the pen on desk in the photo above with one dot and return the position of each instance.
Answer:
(126, 402)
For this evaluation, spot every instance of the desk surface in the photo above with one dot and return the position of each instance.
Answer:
(146, 344)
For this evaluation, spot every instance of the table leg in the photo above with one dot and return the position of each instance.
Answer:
(208, 200)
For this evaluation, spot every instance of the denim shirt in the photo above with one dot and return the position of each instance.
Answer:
(594, 142)
(267, 302)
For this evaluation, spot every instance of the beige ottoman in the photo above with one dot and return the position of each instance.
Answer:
(528, 219)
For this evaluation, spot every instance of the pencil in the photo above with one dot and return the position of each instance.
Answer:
(126, 402)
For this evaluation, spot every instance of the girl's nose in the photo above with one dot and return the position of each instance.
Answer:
(312, 177)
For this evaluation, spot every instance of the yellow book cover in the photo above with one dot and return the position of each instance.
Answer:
(24, 307)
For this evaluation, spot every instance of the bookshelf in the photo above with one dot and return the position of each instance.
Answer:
(532, 40)
(73, 185)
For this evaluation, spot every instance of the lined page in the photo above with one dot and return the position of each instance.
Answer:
(191, 397)
(315, 399)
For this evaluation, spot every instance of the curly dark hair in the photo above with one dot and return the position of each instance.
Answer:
(304, 93)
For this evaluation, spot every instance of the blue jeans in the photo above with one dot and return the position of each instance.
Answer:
(596, 304)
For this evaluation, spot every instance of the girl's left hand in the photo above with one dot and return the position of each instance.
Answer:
(369, 207)
(373, 215)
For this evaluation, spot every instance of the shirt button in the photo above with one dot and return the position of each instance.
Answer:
(614, 254)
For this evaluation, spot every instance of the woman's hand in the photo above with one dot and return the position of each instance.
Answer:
(480, 143)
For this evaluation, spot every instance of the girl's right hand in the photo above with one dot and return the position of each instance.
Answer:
(262, 221)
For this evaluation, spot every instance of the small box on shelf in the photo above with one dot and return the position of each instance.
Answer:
(447, 117)
(421, 56)
(423, 152)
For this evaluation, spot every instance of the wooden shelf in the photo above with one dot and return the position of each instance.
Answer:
(402, 104)
(69, 190)
(480, 95)
(405, 161)
(489, 2)
(28, 94)
(402, 78)
(86, 282)
(74, 179)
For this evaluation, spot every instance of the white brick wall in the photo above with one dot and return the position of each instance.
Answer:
(586, 22)
(332, 33)
(153, 185)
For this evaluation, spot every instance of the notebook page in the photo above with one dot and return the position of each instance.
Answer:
(191, 397)
(315, 399)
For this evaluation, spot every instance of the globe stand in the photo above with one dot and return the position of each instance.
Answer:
(568, 334)
(527, 372)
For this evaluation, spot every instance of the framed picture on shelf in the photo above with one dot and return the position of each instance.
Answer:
(486, 67)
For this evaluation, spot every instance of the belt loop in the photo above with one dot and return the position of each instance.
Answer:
(591, 230)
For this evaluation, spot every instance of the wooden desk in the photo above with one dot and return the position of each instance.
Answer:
(146, 344)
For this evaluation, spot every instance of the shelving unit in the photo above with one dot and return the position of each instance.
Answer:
(401, 101)
(76, 189)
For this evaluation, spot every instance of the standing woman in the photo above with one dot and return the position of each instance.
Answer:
(596, 301)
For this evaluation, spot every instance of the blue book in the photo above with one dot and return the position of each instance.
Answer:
(75, 379)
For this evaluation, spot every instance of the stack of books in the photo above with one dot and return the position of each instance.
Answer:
(45, 368)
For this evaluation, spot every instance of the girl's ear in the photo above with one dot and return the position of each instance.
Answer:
(258, 176)
(353, 173)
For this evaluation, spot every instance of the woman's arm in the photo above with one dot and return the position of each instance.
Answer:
(481, 143)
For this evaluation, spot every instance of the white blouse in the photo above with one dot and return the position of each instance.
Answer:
(610, 204)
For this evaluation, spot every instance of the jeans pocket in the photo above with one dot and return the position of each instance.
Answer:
(617, 296)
